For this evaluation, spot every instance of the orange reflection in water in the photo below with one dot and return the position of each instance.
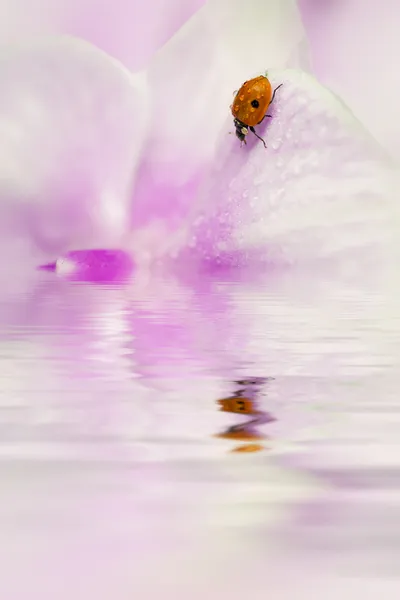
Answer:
(249, 448)
(244, 401)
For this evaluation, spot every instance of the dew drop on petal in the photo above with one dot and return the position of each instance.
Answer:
(221, 246)
(296, 168)
(314, 160)
(253, 201)
(199, 220)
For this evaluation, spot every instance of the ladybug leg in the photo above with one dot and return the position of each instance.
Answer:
(272, 99)
(258, 418)
(256, 134)
(264, 117)
(273, 95)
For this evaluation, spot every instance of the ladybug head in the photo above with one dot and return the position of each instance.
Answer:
(241, 130)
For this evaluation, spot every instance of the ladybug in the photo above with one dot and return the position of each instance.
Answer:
(250, 106)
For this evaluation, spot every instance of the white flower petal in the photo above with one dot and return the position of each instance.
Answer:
(355, 45)
(195, 75)
(72, 122)
(192, 81)
(321, 187)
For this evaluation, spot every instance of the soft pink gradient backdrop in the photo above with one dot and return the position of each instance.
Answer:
(129, 30)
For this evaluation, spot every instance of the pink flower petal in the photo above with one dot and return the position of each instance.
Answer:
(129, 30)
(354, 44)
(321, 187)
(72, 124)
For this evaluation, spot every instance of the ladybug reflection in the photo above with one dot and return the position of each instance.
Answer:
(244, 401)
(250, 106)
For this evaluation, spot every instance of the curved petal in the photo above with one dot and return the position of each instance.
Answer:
(72, 122)
(321, 187)
(353, 46)
(196, 73)
(129, 30)
(192, 80)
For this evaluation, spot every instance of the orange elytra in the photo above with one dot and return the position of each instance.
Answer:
(237, 404)
(250, 106)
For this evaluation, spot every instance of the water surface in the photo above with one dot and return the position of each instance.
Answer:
(114, 479)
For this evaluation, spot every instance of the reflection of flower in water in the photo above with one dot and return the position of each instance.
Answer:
(163, 352)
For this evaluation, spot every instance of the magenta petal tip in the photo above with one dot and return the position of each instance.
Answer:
(97, 265)
(48, 267)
